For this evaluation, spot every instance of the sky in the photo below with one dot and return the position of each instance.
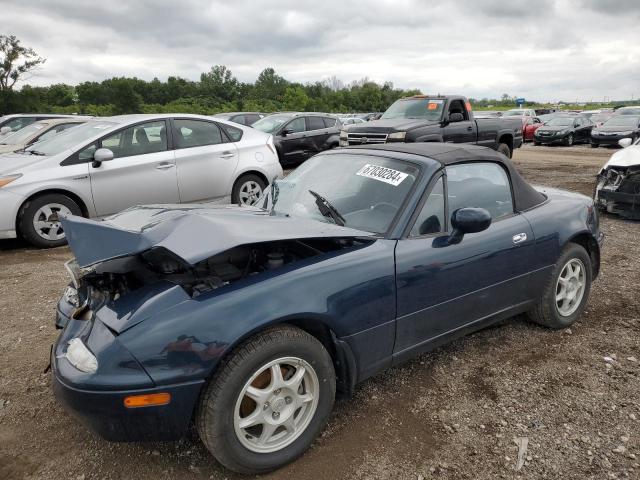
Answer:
(543, 50)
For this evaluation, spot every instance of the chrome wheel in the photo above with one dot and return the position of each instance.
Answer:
(570, 287)
(46, 221)
(250, 193)
(276, 405)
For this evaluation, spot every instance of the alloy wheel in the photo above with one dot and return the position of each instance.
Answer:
(570, 287)
(276, 405)
(46, 221)
(250, 193)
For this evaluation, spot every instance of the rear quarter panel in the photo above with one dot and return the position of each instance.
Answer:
(562, 217)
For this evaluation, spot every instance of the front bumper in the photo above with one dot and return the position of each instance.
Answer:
(10, 203)
(104, 411)
(97, 400)
(607, 139)
(626, 205)
(548, 139)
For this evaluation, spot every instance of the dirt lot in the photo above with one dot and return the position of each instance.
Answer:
(455, 413)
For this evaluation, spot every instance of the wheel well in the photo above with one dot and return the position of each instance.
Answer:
(508, 139)
(253, 172)
(586, 241)
(72, 196)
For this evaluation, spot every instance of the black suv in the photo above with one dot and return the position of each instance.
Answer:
(298, 136)
(243, 118)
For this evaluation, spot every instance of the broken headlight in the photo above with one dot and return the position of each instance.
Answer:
(70, 295)
(81, 357)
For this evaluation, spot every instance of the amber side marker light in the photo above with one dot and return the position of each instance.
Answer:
(151, 400)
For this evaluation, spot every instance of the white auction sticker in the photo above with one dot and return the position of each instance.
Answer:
(386, 175)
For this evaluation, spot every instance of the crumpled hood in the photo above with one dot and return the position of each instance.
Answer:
(192, 232)
(389, 125)
(626, 157)
(15, 162)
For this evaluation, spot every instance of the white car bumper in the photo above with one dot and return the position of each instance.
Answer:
(9, 206)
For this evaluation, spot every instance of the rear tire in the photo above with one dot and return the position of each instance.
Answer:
(247, 190)
(594, 145)
(504, 149)
(226, 406)
(550, 311)
(38, 221)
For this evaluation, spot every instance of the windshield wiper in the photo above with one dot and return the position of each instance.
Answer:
(328, 210)
(35, 152)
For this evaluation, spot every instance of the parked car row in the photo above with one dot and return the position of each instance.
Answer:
(109, 164)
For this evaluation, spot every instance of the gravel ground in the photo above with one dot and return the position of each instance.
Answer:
(460, 412)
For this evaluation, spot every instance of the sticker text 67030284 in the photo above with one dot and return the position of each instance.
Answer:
(383, 174)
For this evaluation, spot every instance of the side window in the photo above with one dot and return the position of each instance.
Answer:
(296, 125)
(431, 217)
(315, 123)
(86, 154)
(457, 106)
(251, 119)
(481, 185)
(196, 133)
(150, 137)
(329, 122)
(235, 134)
(239, 119)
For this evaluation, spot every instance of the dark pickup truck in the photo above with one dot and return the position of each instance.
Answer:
(425, 118)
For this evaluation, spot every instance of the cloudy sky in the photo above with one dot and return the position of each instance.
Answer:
(538, 49)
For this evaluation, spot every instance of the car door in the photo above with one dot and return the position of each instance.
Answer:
(316, 135)
(463, 131)
(442, 288)
(206, 160)
(292, 141)
(141, 172)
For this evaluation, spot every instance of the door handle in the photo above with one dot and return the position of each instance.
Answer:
(469, 128)
(164, 166)
(227, 154)
(519, 238)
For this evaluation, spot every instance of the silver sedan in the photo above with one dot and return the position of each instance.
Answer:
(109, 164)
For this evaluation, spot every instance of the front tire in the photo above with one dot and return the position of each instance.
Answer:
(504, 149)
(268, 402)
(567, 290)
(568, 141)
(594, 145)
(247, 190)
(39, 222)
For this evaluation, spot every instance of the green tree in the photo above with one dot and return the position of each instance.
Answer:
(295, 98)
(15, 61)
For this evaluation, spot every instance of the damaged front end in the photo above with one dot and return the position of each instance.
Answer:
(618, 190)
(146, 259)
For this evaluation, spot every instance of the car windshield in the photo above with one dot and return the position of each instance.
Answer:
(561, 122)
(71, 138)
(622, 121)
(421, 108)
(22, 135)
(366, 191)
(271, 123)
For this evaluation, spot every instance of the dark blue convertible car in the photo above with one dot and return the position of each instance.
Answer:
(248, 321)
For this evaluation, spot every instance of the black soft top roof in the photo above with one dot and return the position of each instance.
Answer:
(525, 196)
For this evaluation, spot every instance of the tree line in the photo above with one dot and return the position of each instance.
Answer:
(217, 90)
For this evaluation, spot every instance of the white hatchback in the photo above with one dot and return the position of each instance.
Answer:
(112, 163)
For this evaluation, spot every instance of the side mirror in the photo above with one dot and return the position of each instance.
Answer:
(625, 142)
(5, 130)
(456, 117)
(101, 155)
(468, 220)
(286, 131)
